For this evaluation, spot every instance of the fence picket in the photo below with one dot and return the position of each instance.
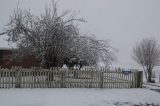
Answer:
(0, 77)
(16, 77)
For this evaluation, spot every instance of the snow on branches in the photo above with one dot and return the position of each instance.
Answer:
(54, 39)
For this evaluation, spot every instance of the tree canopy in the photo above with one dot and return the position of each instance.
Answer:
(147, 54)
(54, 38)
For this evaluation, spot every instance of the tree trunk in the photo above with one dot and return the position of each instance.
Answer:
(149, 76)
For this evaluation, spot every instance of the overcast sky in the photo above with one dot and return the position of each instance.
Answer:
(123, 22)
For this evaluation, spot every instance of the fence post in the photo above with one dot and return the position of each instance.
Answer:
(18, 78)
(101, 80)
(62, 79)
(139, 79)
(159, 78)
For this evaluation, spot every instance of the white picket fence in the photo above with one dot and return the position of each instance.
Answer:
(62, 78)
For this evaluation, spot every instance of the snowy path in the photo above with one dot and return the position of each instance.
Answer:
(77, 97)
(152, 86)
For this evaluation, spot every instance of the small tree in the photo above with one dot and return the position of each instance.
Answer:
(147, 54)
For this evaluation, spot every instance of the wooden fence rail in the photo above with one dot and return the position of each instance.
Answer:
(61, 78)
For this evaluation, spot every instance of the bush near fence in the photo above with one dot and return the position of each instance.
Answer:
(37, 77)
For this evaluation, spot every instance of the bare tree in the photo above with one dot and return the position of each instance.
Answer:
(48, 36)
(89, 51)
(54, 39)
(147, 54)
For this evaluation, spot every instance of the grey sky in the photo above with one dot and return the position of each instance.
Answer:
(124, 22)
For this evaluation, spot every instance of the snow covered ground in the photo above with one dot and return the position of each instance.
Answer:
(151, 86)
(77, 97)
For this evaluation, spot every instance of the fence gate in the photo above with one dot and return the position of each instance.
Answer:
(60, 78)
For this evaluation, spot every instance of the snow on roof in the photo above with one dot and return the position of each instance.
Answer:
(6, 48)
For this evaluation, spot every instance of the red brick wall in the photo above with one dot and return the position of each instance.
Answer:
(27, 61)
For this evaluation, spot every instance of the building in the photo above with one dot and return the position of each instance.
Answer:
(26, 61)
